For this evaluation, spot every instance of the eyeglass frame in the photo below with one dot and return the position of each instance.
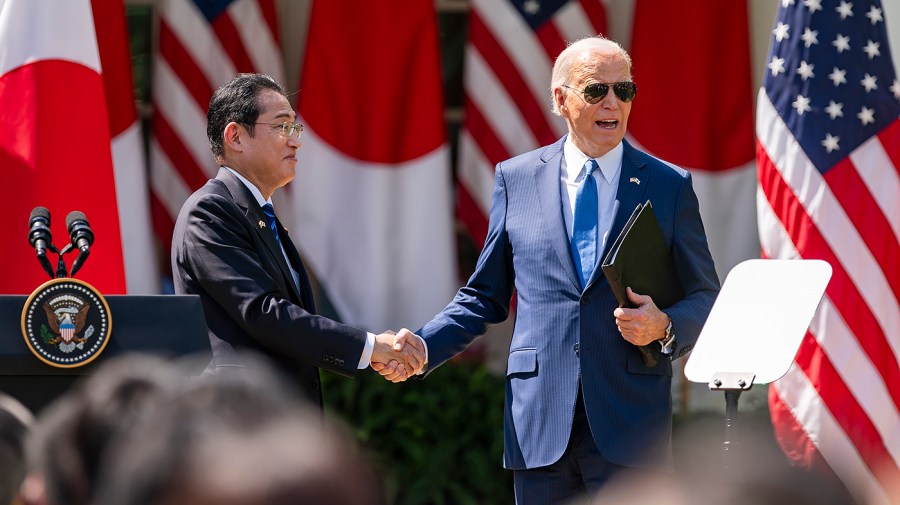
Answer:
(608, 85)
(287, 132)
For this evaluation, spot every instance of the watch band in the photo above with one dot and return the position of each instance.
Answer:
(667, 341)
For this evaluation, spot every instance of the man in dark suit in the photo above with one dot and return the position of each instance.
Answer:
(229, 248)
(581, 405)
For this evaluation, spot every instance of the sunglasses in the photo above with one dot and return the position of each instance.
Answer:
(593, 93)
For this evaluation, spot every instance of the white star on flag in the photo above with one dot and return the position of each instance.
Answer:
(810, 37)
(827, 164)
(845, 9)
(813, 5)
(866, 115)
(831, 142)
(785, 3)
(805, 70)
(531, 6)
(874, 15)
(781, 31)
(777, 65)
(838, 77)
(872, 49)
(842, 43)
(801, 104)
(868, 82)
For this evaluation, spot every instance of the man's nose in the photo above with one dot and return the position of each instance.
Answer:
(610, 101)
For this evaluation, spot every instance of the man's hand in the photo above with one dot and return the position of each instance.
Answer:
(398, 356)
(644, 324)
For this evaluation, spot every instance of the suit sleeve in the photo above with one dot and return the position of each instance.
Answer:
(696, 271)
(485, 298)
(220, 254)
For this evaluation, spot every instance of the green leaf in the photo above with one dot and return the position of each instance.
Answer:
(437, 440)
(46, 336)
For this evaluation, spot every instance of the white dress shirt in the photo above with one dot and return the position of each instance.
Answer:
(607, 177)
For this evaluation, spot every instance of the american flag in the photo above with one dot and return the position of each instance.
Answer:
(510, 54)
(202, 45)
(828, 152)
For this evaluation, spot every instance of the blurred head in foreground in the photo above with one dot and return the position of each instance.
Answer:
(236, 439)
(15, 421)
(72, 434)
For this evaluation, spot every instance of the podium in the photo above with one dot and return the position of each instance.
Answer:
(166, 325)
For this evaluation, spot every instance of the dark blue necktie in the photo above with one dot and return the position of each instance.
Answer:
(269, 211)
(584, 227)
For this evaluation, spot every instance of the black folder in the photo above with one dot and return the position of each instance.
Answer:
(639, 259)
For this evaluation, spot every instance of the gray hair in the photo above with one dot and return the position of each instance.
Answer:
(562, 68)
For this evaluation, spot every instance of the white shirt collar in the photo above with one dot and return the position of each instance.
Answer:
(253, 189)
(609, 163)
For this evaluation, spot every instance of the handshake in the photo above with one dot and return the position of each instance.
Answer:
(398, 356)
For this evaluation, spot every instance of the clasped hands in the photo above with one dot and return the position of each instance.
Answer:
(398, 356)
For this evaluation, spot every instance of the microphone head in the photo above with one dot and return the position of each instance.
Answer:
(79, 229)
(73, 217)
(39, 213)
(39, 230)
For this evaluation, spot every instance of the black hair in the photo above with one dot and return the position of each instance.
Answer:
(236, 102)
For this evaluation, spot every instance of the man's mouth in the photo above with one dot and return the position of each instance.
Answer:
(608, 124)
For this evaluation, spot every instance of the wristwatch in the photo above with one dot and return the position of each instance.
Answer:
(669, 339)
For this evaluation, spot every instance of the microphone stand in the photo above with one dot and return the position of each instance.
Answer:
(60, 264)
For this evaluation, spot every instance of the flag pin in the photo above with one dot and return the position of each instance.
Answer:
(635, 180)
(261, 224)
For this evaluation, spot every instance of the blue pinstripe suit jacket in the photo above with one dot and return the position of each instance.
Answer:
(564, 334)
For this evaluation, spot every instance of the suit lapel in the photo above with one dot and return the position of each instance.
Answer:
(629, 193)
(546, 178)
(245, 200)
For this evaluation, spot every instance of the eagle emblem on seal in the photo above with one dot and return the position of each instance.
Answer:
(66, 318)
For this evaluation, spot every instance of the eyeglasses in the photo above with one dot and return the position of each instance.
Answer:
(593, 93)
(288, 129)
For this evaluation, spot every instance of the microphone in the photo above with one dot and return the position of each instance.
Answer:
(82, 237)
(40, 238)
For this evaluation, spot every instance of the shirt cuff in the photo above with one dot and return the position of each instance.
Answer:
(425, 366)
(367, 351)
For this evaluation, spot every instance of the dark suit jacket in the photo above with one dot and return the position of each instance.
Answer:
(565, 334)
(223, 251)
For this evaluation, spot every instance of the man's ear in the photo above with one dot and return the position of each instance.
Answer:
(232, 136)
(560, 98)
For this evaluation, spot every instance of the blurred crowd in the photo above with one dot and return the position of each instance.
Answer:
(145, 431)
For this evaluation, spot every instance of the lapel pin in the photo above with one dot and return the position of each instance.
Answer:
(635, 180)
(261, 224)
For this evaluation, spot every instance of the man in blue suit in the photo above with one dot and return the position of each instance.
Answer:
(581, 405)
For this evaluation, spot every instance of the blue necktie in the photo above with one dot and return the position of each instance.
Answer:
(269, 211)
(584, 227)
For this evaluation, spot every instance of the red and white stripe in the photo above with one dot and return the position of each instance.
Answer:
(132, 189)
(194, 57)
(53, 58)
(507, 83)
(839, 393)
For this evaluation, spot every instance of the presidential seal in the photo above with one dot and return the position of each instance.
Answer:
(66, 323)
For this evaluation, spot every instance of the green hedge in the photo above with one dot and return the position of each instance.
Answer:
(437, 440)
